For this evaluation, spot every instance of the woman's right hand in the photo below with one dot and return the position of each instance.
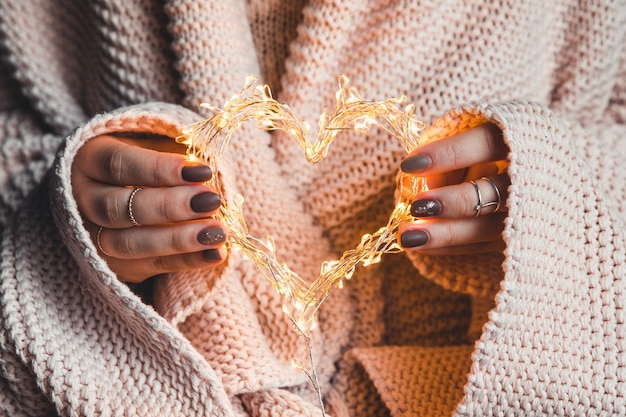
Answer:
(147, 207)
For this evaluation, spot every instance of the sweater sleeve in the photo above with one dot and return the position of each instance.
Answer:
(552, 160)
(559, 311)
(72, 336)
(557, 323)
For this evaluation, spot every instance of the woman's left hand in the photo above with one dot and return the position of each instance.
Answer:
(463, 211)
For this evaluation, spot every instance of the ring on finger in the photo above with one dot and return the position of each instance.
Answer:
(129, 210)
(99, 243)
(481, 205)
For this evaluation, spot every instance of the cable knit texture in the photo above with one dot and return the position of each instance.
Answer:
(536, 330)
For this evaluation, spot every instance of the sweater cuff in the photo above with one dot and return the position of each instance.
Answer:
(521, 123)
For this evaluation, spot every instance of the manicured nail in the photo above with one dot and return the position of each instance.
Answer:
(197, 173)
(415, 163)
(205, 202)
(413, 238)
(425, 208)
(212, 236)
(212, 255)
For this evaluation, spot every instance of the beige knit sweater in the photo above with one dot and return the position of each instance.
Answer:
(404, 338)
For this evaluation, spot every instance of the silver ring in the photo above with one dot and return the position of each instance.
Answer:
(480, 205)
(498, 201)
(100, 244)
(131, 216)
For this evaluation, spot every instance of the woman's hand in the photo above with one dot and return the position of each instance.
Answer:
(146, 206)
(463, 210)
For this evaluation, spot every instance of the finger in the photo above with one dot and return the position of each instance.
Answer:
(479, 145)
(471, 249)
(462, 200)
(157, 143)
(447, 178)
(157, 241)
(112, 206)
(486, 169)
(109, 160)
(434, 234)
(139, 270)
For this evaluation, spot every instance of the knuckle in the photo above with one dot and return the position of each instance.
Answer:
(166, 207)
(454, 155)
(447, 235)
(160, 170)
(493, 138)
(111, 209)
(161, 264)
(161, 208)
(113, 164)
(124, 244)
(178, 243)
(468, 201)
(190, 261)
(489, 137)
(174, 263)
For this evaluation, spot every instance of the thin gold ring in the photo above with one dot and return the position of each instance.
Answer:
(100, 244)
(131, 216)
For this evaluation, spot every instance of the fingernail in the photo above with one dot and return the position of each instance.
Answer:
(205, 202)
(413, 238)
(197, 173)
(212, 255)
(212, 236)
(416, 163)
(425, 208)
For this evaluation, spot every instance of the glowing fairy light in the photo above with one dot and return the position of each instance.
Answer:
(208, 141)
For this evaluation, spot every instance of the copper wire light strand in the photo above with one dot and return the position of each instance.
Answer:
(208, 140)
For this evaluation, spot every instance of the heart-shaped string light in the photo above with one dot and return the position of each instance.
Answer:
(208, 140)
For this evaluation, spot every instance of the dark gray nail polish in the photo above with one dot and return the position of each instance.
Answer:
(212, 236)
(416, 163)
(205, 202)
(197, 173)
(425, 208)
(413, 238)
(212, 255)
